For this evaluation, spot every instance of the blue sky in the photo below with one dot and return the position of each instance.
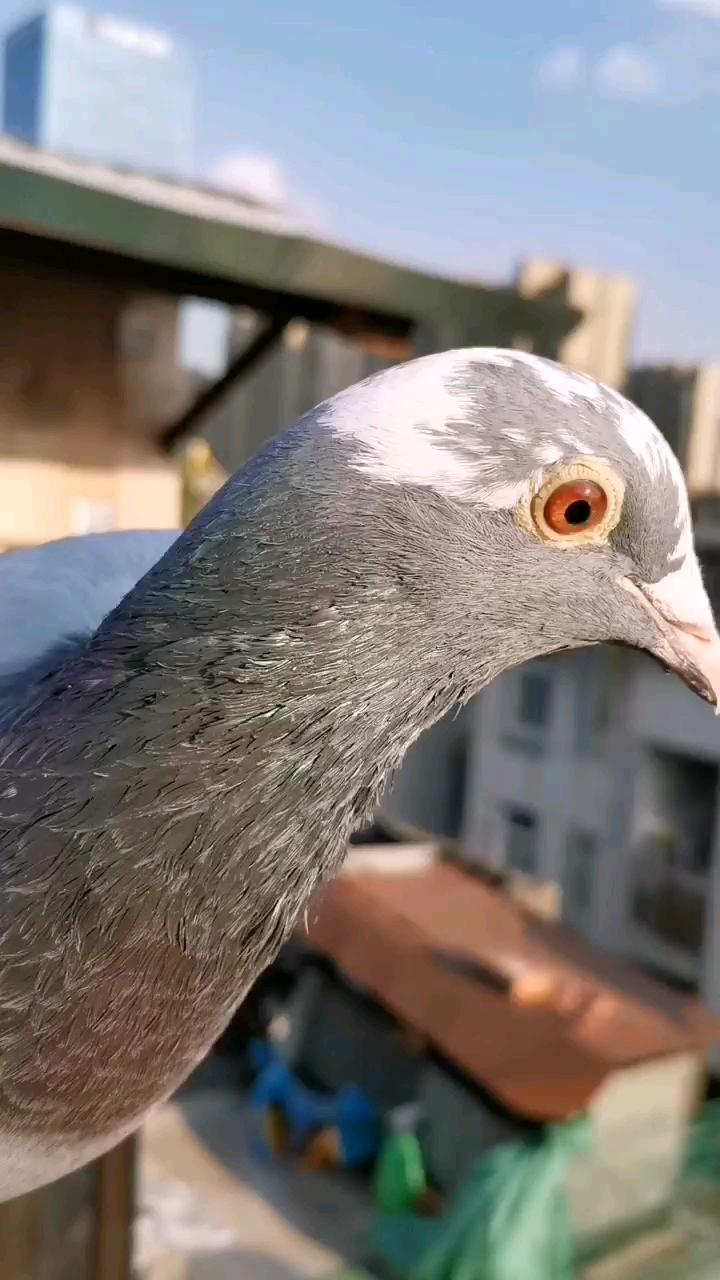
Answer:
(466, 136)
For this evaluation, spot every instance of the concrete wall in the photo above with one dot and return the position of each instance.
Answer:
(457, 1126)
(564, 786)
(336, 1037)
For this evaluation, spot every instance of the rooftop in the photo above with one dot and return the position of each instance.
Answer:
(186, 240)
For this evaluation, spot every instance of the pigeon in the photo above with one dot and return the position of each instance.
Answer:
(184, 757)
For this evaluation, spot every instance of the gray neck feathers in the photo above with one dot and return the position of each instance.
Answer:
(170, 798)
(202, 762)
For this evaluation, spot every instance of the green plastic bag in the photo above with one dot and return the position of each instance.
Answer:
(400, 1173)
(510, 1220)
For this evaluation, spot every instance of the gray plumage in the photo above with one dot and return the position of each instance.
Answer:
(53, 597)
(173, 793)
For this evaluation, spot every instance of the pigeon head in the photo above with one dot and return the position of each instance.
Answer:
(526, 505)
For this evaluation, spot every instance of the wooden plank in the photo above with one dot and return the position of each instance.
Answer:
(111, 1242)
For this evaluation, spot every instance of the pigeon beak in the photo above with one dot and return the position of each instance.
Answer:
(690, 649)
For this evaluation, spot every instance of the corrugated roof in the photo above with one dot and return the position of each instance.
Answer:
(527, 1008)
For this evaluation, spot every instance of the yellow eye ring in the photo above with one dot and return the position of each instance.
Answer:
(578, 504)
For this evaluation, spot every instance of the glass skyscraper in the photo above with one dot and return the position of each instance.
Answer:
(101, 88)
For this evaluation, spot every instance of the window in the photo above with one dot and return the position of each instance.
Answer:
(203, 344)
(534, 699)
(675, 825)
(677, 798)
(527, 709)
(457, 772)
(522, 840)
(593, 692)
(579, 880)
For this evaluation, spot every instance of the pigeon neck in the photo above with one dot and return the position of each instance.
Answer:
(223, 772)
(183, 784)
(181, 798)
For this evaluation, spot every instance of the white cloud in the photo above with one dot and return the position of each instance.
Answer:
(629, 72)
(678, 63)
(257, 176)
(253, 175)
(564, 68)
(701, 8)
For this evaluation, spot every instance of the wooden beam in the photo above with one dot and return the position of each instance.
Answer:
(147, 276)
(265, 340)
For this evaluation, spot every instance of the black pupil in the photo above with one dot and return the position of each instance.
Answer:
(578, 512)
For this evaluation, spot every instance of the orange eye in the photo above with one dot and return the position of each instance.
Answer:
(575, 507)
(578, 505)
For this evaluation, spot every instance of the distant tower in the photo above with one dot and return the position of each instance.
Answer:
(101, 88)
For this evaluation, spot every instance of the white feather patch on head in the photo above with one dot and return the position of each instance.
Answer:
(565, 383)
(402, 422)
(643, 437)
(637, 430)
(398, 420)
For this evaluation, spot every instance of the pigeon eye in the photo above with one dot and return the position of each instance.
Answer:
(579, 504)
(575, 507)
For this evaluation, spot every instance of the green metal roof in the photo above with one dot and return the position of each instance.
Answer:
(189, 239)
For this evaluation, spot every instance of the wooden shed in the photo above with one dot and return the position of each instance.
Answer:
(507, 1008)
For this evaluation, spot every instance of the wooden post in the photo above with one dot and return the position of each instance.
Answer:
(110, 1256)
(45, 1235)
(79, 1228)
(21, 1238)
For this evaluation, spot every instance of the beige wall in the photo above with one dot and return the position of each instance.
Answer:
(600, 343)
(87, 379)
(702, 464)
(640, 1119)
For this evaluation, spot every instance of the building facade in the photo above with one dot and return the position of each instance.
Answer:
(600, 772)
(100, 88)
